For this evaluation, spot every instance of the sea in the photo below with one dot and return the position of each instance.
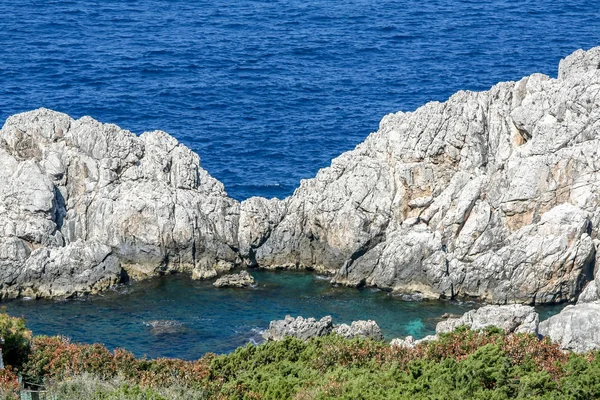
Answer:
(267, 92)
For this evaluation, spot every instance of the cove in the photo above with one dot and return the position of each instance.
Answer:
(220, 320)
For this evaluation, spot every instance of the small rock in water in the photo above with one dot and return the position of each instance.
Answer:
(241, 280)
(165, 327)
(450, 315)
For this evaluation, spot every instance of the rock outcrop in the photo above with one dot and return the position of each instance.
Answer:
(241, 280)
(360, 329)
(575, 328)
(299, 328)
(514, 318)
(83, 204)
(409, 342)
(306, 328)
(492, 195)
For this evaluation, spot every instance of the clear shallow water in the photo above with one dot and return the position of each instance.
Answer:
(219, 320)
(269, 91)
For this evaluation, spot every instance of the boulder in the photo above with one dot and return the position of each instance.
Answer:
(241, 280)
(575, 327)
(514, 318)
(300, 328)
(362, 329)
(407, 343)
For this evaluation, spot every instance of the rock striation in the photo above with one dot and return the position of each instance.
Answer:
(492, 195)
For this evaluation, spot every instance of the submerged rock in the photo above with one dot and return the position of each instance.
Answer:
(165, 327)
(513, 318)
(299, 328)
(241, 280)
(362, 329)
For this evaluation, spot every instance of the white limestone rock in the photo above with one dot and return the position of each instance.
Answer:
(300, 328)
(491, 194)
(407, 343)
(78, 268)
(241, 280)
(575, 328)
(514, 318)
(68, 185)
(361, 329)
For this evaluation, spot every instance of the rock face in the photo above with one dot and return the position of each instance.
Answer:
(300, 328)
(82, 203)
(361, 329)
(514, 318)
(575, 328)
(241, 280)
(493, 195)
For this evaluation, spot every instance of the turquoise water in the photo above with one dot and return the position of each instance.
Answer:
(219, 320)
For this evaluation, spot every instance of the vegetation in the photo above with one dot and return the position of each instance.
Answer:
(464, 364)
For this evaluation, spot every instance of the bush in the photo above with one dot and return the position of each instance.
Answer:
(463, 364)
(17, 340)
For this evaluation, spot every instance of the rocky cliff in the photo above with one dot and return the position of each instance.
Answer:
(83, 203)
(492, 195)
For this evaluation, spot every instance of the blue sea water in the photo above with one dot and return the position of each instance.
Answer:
(269, 91)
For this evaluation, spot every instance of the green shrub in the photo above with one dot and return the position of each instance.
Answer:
(464, 364)
(17, 340)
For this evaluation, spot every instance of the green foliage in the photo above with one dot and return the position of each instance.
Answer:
(17, 339)
(464, 364)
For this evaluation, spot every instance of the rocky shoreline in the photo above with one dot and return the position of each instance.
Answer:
(490, 195)
(574, 329)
